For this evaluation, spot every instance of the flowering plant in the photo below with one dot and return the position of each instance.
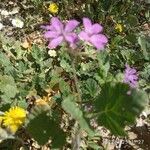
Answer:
(66, 85)
(56, 33)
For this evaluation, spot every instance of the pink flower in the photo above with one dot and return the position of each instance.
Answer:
(57, 33)
(130, 76)
(92, 34)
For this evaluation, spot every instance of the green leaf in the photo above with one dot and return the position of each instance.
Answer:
(6, 64)
(17, 48)
(145, 46)
(132, 38)
(64, 88)
(91, 87)
(22, 103)
(37, 53)
(116, 108)
(103, 61)
(65, 65)
(146, 72)
(39, 128)
(44, 127)
(8, 87)
(55, 76)
(106, 4)
(132, 20)
(94, 145)
(5, 107)
(37, 3)
(4, 60)
(71, 107)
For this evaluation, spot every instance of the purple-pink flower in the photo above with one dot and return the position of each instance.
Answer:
(92, 34)
(130, 76)
(57, 32)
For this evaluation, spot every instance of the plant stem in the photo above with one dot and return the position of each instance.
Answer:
(76, 82)
(76, 140)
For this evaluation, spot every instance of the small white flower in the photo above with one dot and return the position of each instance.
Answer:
(4, 13)
(52, 53)
(17, 23)
(1, 26)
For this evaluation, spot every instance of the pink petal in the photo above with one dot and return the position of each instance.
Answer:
(56, 23)
(100, 37)
(96, 28)
(97, 44)
(51, 34)
(84, 36)
(87, 24)
(72, 37)
(71, 25)
(133, 77)
(99, 41)
(132, 71)
(73, 45)
(55, 42)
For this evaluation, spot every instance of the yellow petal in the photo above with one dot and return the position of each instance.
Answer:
(53, 8)
(119, 27)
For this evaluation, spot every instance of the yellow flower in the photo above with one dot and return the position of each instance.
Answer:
(53, 8)
(119, 27)
(14, 118)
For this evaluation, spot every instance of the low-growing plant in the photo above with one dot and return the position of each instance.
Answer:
(62, 87)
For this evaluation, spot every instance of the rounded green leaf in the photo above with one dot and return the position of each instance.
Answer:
(117, 106)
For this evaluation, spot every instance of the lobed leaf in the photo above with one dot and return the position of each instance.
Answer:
(7, 87)
(118, 106)
(42, 127)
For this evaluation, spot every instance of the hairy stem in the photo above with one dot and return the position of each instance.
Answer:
(76, 82)
(76, 140)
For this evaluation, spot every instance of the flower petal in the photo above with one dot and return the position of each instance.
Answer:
(73, 45)
(132, 71)
(96, 28)
(87, 24)
(130, 76)
(71, 38)
(55, 42)
(99, 41)
(57, 24)
(71, 25)
(100, 37)
(51, 34)
(83, 36)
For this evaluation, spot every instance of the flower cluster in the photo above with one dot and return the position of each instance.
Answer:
(13, 118)
(57, 33)
(130, 76)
